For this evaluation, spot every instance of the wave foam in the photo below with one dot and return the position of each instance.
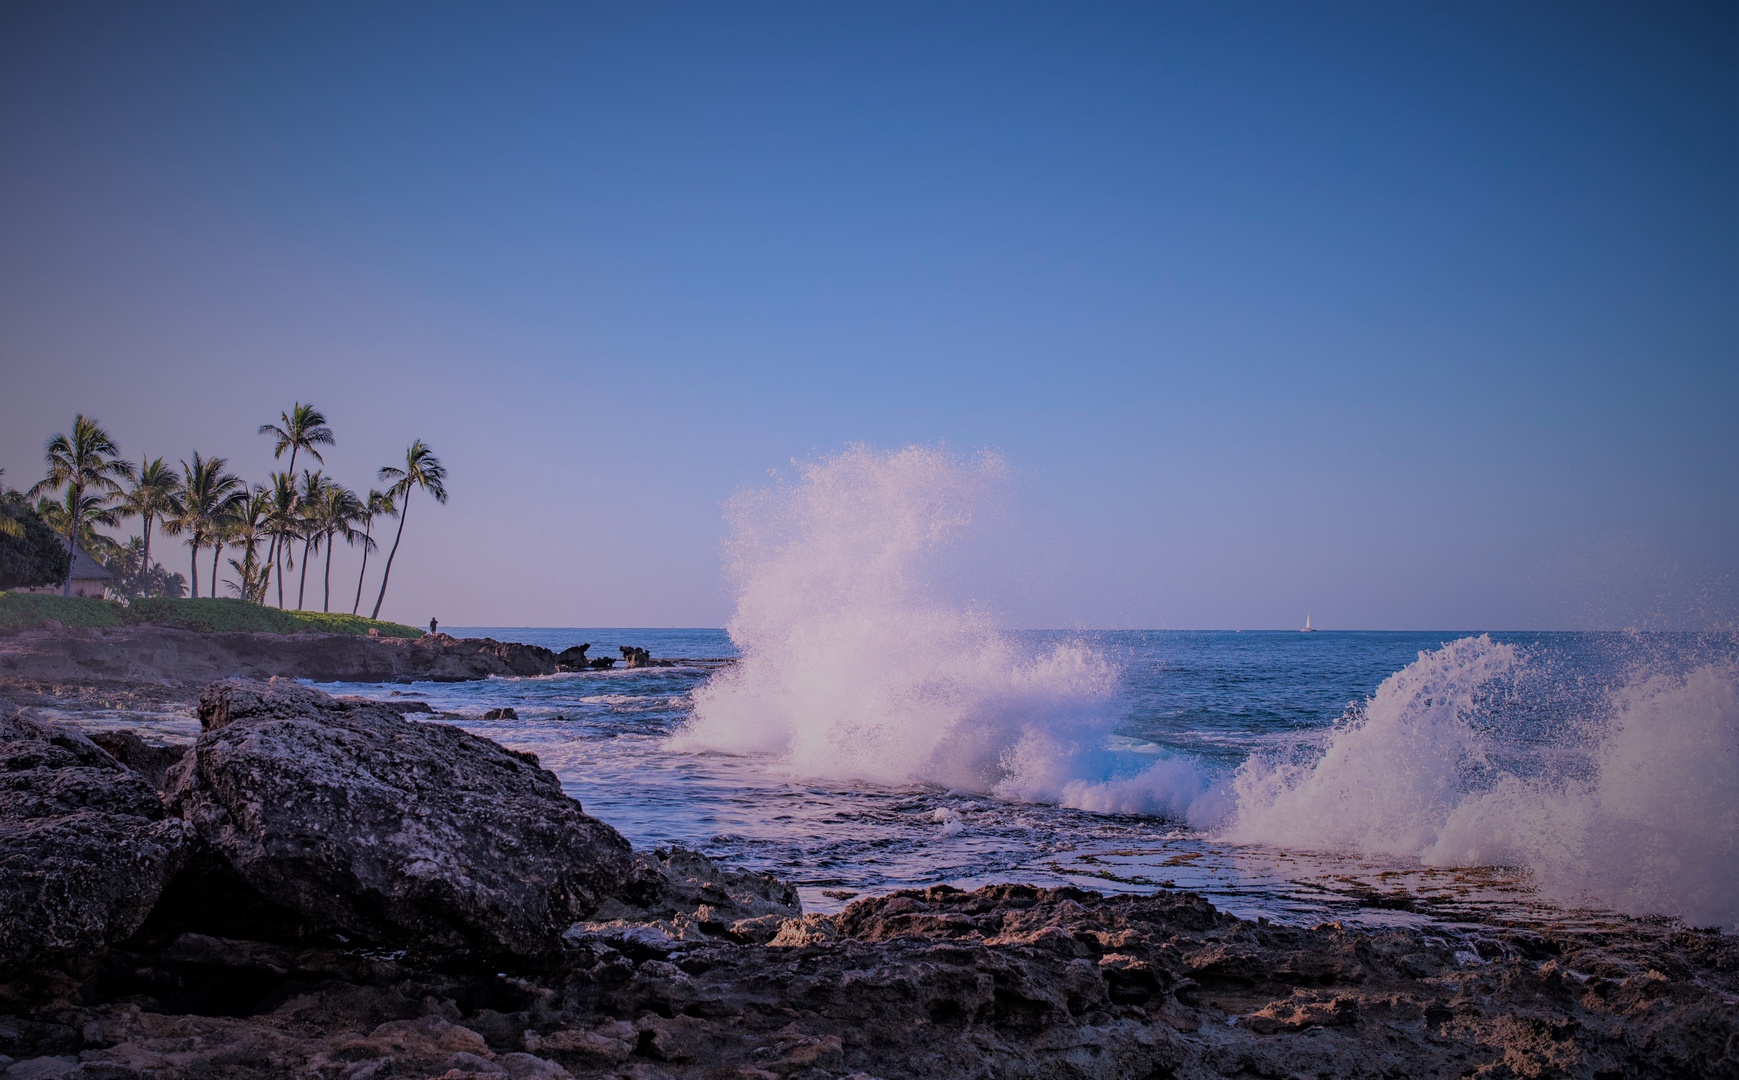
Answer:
(851, 667)
(1653, 828)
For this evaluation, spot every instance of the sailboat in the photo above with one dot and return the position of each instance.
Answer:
(1308, 629)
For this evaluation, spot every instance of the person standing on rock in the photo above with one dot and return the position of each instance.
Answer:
(433, 625)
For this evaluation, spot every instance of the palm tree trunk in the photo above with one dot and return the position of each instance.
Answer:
(280, 568)
(216, 553)
(145, 570)
(71, 541)
(193, 565)
(326, 601)
(303, 587)
(387, 573)
(272, 548)
(367, 530)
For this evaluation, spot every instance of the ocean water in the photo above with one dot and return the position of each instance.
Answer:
(859, 726)
(1372, 777)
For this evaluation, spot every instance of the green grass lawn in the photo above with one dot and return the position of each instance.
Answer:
(21, 611)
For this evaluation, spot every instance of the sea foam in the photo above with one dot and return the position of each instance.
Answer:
(854, 667)
(1649, 826)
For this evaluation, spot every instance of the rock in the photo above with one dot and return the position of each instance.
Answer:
(601, 663)
(150, 760)
(501, 714)
(167, 655)
(400, 833)
(527, 1067)
(671, 882)
(85, 848)
(635, 657)
(400, 707)
(573, 659)
(42, 1068)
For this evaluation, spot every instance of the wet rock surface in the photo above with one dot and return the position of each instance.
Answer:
(363, 895)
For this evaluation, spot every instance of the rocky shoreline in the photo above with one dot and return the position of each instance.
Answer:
(169, 656)
(325, 887)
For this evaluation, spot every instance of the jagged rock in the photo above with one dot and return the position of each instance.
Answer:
(366, 824)
(85, 849)
(150, 760)
(680, 894)
(574, 659)
(633, 656)
(501, 714)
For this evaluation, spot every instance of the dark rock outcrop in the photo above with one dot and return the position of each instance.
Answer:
(574, 658)
(677, 894)
(1007, 981)
(85, 848)
(165, 655)
(635, 657)
(364, 824)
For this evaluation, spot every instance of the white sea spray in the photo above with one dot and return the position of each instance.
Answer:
(1651, 828)
(852, 666)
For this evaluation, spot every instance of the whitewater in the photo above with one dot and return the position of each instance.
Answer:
(855, 727)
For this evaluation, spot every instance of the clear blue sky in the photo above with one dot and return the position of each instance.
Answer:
(1413, 315)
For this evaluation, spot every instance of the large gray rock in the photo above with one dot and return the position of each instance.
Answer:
(408, 834)
(85, 848)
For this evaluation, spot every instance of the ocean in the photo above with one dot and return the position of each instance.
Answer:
(1375, 778)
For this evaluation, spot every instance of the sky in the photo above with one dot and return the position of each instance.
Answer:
(1409, 316)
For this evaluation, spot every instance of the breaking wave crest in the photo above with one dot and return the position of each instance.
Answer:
(853, 667)
(1639, 810)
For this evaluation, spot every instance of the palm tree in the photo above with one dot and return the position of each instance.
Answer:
(154, 496)
(88, 460)
(302, 428)
(380, 503)
(308, 497)
(207, 494)
(88, 511)
(422, 470)
(249, 521)
(281, 523)
(8, 527)
(335, 514)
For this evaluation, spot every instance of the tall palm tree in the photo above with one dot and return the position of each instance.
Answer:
(378, 504)
(302, 428)
(85, 461)
(336, 513)
(207, 494)
(154, 496)
(282, 524)
(308, 497)
(422, 470)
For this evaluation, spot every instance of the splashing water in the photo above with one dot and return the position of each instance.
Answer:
(853, 668)
(1648, 825)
